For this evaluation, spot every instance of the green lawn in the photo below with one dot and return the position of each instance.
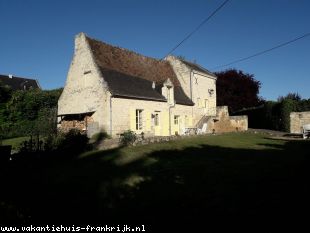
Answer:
(14, 142)
(230, 174)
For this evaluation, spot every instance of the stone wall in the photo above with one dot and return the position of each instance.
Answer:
(85, 90)
(297, 120)
(225, 123)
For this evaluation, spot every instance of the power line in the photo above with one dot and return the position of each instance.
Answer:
(198, 27)
(264, 51)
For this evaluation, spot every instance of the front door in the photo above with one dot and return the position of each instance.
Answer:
(156, 123)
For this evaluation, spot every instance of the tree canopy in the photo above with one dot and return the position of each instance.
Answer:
(21, 111)
(237, 90)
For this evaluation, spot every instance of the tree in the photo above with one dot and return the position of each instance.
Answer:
(26, 111)
(5, 93)
(237, 90)
(291, 96)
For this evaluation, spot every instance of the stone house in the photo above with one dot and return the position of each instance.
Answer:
(114, 89)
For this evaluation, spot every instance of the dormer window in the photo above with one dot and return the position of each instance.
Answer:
(168, 92)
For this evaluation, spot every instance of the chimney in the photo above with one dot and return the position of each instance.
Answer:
(10, 76)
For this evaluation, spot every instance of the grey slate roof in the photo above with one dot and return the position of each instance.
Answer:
(198, 68)
(18, 83)
(123, 85)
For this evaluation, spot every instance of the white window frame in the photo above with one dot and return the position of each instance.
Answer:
(139, 119)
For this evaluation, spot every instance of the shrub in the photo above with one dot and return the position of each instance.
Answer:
(73, 142)
(128, 138)
(97, 137)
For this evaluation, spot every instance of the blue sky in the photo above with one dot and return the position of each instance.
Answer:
(37, 36)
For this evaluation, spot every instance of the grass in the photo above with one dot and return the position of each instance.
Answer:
(14, 142)
(229, 174)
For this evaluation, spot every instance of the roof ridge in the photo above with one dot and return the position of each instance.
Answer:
(197, 65)
(127, 50)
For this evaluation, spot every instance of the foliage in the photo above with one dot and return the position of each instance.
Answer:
(5, 93)
(237, 90)
(291, 96)
(128, 138)
(72, 142)
(27, 111)
(276, 114)
(98, 137)
(60, 143)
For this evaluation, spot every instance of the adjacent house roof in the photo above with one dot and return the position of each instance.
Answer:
(130, 74)
(197, 67)
(17, 83)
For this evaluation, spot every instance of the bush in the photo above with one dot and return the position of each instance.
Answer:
(97, 137)
(128, 138)
(73, 142)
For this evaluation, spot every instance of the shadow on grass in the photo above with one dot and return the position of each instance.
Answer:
(196, 181)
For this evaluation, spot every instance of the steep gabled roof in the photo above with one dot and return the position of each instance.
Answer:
(17, 83)
(130, 74)
(197, 67)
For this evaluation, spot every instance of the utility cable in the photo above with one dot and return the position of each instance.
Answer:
(264, 51)
(198, 27)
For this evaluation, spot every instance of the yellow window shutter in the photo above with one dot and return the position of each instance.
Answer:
(147, 116)
(132, 119)
(190, 121)
(165, 123)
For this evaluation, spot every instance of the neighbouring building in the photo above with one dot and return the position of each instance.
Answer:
(297, 120)
(18, 83)
(114, 89)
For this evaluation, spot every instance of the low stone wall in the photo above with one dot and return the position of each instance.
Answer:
(297, 120)
(225, 123)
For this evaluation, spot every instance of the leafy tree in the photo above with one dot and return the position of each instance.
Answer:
(237, 90)
(5, 93)
(291, 96)
(29, 112)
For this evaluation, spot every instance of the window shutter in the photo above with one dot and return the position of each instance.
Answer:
(147, 116)
(132, 119)
(165, 123)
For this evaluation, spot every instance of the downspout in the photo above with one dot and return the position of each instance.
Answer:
(190, 85)
(191, 91)
(111, 115)
(170, 118)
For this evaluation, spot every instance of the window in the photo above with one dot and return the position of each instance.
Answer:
(169, 94)
(176, 120)
(156, 119)
(139, 119)
(170, 98)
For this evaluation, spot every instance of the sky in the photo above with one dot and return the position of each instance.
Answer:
(37, 36)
